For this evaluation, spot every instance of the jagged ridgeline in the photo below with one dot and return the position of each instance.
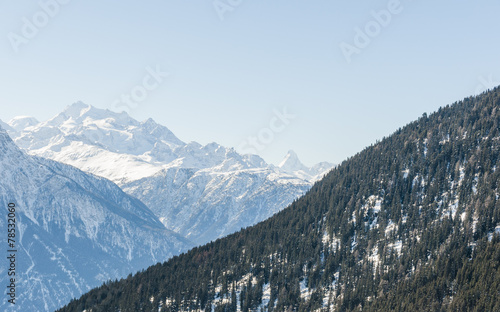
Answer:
(408, 224)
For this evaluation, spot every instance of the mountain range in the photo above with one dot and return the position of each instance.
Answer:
(74, 230)
(411, 223)
(77, 229)
(201, 192)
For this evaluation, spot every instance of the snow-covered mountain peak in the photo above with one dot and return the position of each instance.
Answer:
(149, 122)
(122, 149)
(200, 191)
(82, 125)
(291, 163)
(83, 114)
(161, 132)
(76, 109)
(21, 122)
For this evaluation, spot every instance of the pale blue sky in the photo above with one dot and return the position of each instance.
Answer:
(227, 77)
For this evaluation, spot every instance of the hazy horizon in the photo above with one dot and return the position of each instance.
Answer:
(345, 74)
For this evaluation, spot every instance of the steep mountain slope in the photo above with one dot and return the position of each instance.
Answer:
(409, 224)
(74, 230)
(201, 192)
(6, 127)
(203, 205)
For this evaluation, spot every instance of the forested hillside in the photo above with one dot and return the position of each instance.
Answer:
(409, 224)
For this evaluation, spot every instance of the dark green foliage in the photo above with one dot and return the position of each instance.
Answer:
(436, 184)
(455, 282)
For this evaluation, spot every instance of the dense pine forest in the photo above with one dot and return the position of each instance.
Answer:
(411, 223)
